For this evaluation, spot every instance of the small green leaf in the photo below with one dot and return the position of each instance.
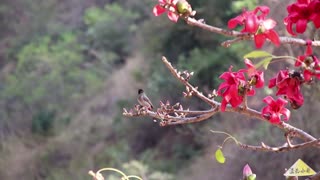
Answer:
(265, 63)
(257, 54)
(252, 177)
(219, 156)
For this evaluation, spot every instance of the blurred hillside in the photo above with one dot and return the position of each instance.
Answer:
(67, 69)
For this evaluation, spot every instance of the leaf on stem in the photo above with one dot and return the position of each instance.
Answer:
(265, 63)
(257, 54)
(219, 156)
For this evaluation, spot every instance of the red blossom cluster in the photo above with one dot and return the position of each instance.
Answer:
(300, 13)
(255, 23)
(275, 109)
(237, 85)
(309, 64)
(175, 8)
(289, 85)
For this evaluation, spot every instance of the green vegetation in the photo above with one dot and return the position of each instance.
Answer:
(68, 68)
(110, 31)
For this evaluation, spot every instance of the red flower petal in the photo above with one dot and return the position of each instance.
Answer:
(309, 48)
(281, 102)
(225, 75)
(304, 1)
(268, 100)
(299, 61)
(289, 27)
(316, 20)
(286, 113)
(264, 10)
(301, 25)
(251, 23)
(222, 86)
(273, 36)
(272, 82)
(269, 24)
(265, 110)
(232, 23)
(223, 105)
(173, 17)
(158, 10)
(251, 92)
(260, 80)
(274, 119)
(259, 40)
(248, 63)
(307, 75)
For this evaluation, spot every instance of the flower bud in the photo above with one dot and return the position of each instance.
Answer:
(246, 171)
(183, 7)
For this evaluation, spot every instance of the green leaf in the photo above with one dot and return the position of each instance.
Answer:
(257, 54)
(219, 156)
(265, 63)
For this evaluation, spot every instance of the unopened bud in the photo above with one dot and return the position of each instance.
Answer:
(247, 173)
(184, 7)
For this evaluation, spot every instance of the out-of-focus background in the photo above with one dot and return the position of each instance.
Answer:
(67, 69)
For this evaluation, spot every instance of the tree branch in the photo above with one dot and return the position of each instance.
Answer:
(174, 115)
(241, 36)
(184, 81)
(286, 147)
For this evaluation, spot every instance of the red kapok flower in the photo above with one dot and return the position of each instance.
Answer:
(256, 77)
(266, 32)
(248, 19)
(275, 109)
(288, 84)
(257, 24)
(299, 13)
(315, 17)
(160, 9)
(309, 63)
(233, 89)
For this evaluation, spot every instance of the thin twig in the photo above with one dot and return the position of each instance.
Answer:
(174, 120)
(185, 82)
(288, 139)
(193, 112)
(228, 43)
(264, 147)
(283, 148)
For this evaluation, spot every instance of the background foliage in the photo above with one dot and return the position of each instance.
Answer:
(69, 67)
